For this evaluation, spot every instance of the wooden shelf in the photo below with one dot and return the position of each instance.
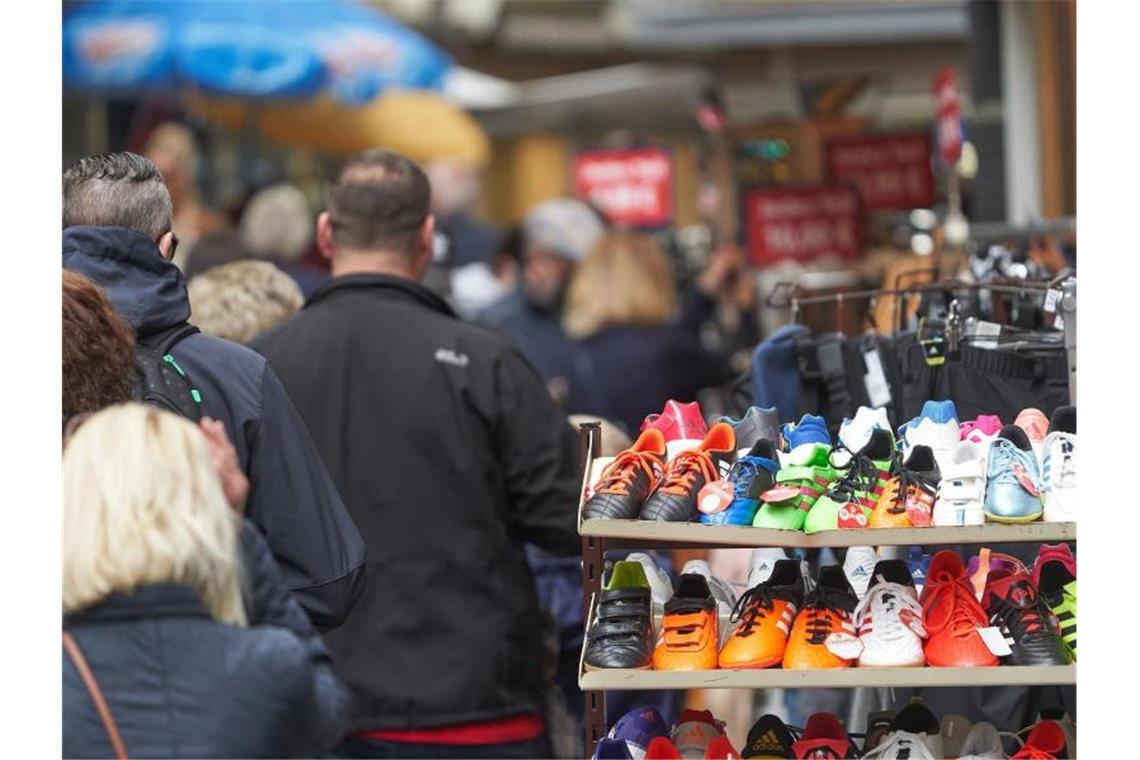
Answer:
(768, 678)
(649, 533)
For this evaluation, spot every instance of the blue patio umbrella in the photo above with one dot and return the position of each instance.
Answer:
(246, 48)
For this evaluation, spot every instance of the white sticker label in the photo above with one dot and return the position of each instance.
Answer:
(995, 641)
(1059, 321)
(844, 645)
(985, 329)
(1052, 298)
(878, 390)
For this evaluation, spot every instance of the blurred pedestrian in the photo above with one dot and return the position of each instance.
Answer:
(215, 249)
(158, 659)
(117, 232)
(241, 300)
(632, 355)
(450, 455)
(277, 226)
(174, 150)
(556, 235)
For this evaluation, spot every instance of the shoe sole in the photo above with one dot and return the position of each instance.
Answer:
(758, 665)
(1012, 520)
(914, 664)
(588, 667)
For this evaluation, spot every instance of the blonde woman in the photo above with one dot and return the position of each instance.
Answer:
(631, 354)
(159, 661)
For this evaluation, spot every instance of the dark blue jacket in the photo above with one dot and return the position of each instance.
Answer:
(292, 500)
(180, 684)
(537, 333)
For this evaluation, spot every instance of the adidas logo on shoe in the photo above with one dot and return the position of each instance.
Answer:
(769, 742)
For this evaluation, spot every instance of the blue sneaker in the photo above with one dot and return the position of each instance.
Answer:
(750, 476)
(805, 436)
(1013, 481)
(918, 563)
(634, 731)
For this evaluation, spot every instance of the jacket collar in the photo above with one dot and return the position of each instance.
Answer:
(146, 289)
(156, 600)
(384, 285)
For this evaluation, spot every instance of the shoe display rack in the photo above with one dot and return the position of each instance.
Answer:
(600, 536)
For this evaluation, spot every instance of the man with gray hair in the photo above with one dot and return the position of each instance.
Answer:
(117, 233)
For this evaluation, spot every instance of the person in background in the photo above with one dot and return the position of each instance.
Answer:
(631, 356)
(450, 454)
(241, 300)
(155, 627)
(117, 232)
(277, 226)
(556, 235)
(174, 150)
(215, 249)
(99, 372)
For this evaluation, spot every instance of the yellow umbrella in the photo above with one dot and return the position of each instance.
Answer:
(418, 123)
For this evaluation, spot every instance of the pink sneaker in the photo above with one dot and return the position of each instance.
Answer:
(1034, 423)
(678, 421)
(982, 430)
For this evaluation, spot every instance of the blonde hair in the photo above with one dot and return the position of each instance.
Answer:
(142, 504)
(240, 300)
(625, 280)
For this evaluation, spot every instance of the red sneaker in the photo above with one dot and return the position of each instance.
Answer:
(662, 748)
(1054, 553)
(1045, 742)
(952, 616)
(678, 421)
(823, 736)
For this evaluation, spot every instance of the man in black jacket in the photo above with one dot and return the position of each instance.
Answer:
(116, 219)
(450, 455)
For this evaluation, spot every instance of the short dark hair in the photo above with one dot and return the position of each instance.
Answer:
(98, 349)
(379, 200)
(117, 190)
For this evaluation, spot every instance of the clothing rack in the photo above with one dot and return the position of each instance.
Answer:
(787, 294)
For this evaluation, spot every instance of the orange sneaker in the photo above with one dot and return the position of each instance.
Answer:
(763, 617)
(952, 616)
(689, 637)
(908, 499)
(826, 611)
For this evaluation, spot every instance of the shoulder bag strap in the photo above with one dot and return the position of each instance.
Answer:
(96, 693)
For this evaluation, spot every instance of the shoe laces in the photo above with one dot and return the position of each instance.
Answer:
(1005, 457)
(955, 605)
(862, 475)
(683, 470)
(1030, 625)
(752, 607)
(742, 475)
(821, 601)
(890, 598)
(619, 475)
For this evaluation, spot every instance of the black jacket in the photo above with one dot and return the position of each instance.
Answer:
(292, 500)
(450, 455)
(180, 684)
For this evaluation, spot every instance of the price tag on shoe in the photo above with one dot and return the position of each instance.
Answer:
(715, 497)
(844, 645)
(995, 641)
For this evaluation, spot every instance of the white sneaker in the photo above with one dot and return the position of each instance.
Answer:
(1059, 477)
(660, 587)
(763, 563)
(903, 744)
(858, 566)
(855, 433)
(961, 495)
(983, 743)
(936, 427)
(889, 619)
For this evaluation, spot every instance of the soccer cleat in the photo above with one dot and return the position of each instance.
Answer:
(769, 737)
(849, 501)
(855, 432)
(889, 619)
(1059, 467)
(611, 749)
(762, 619)
(1015, 607)
(1045, 742)
(627, 481)
(982, 430)
(1054, 553)
(621, 633)
(858, 566)
(823, 737)
(1058, 588)
(1036, 427)
(1013, 484)
(826, 611)
(695, 731)
(952, 616)
(909, 497)
(734, 500)
(798, 486)
(802, 439)
(963, 488)
(660, 585)
(675, 498)
(915, 734)
(918, 564)
(662, 748)
(688, 639)
(636, 729)
(678, 422)
(936, 426)
(758, 423)
(982, 743)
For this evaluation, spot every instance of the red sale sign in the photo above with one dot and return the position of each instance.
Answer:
(632, 187)
(801, 224)
(948, 117)
(891, 172)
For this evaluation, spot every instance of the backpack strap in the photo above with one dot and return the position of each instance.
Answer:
(164, 340)
(101, 706)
